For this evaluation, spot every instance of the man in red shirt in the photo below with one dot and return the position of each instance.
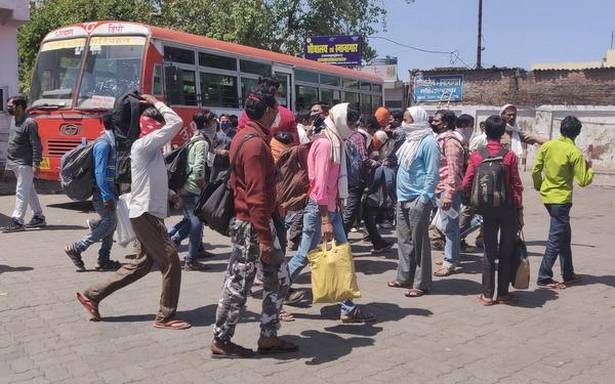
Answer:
(253, 236)
(506, 219)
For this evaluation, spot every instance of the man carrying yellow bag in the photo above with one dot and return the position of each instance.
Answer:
(322, 219)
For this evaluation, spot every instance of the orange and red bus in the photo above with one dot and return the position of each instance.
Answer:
(81, 69)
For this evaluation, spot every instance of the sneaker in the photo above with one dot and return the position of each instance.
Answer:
(37, 221)
(109, 265)
(294, 296)
(14, 226)
(75, 257)
(229, 350)
(194, 266)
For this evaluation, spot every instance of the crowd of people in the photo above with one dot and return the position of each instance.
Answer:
(347, 167)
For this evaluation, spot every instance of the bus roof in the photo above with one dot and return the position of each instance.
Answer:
(123, 28)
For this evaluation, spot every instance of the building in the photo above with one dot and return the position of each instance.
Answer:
(13, 13)
(394, 89)
(607, 62)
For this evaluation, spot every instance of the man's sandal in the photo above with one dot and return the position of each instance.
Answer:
(415, 292)
(175, 324)
(90, 306)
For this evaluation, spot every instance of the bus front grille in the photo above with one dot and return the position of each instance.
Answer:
(59, 147)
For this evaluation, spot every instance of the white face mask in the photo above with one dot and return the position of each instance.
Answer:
(276, 122)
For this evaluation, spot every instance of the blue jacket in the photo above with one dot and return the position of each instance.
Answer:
(422, 177)
(105, 159)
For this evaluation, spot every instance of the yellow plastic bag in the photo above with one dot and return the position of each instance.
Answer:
(333, 274)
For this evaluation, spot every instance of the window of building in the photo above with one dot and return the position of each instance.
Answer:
(219, 90)
(329, 80)
(216, 61)
(305, 96)
(306, 76)
(365, 86)
(350, 83)
(377, 88)
(255, 68)
(157, 80)
(179, 55)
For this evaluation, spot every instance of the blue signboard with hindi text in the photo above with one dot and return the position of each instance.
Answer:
(337, 50)
(438, 88)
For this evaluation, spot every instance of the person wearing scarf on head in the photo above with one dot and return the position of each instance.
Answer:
(149, 198)
(514, 137)
(328, 184)
(200, 159)
(417, 178)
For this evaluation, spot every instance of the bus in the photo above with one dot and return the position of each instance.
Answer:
(81, 69)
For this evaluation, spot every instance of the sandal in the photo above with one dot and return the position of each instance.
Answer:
(286, 316)
(444, 271)
(440, 262)
(415, 292)
(485, 301)
(175, 324)
(555, 285)
(283, 347)
(358, 316)
(397, 284)
(505, 299)
(89, 306)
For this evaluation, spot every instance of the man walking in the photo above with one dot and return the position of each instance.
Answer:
(557, 163)
(253, 236)
(24, 158)
(147, 210)
(104, 201)
(417, 178)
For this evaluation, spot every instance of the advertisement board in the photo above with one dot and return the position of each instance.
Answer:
(438, 88)
(337, 50)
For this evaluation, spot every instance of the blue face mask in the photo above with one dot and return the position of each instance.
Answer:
(225, 125)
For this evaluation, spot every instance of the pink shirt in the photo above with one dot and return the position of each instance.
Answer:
(323, 174)
(451, 164)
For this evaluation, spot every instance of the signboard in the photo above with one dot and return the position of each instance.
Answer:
(438, 88)
(386, 72)
(337, 50)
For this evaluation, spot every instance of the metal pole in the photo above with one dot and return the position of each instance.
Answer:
(479, 48)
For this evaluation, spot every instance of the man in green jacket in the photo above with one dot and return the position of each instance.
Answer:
(557, 163)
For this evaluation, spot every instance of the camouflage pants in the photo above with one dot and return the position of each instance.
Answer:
(238, 280)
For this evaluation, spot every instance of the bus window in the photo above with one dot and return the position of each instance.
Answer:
(376, 102)
(157, 80)
(306, 76)
(366, 104)
(351, 97)
(112, 67)
(247, 85)
(255, 68)
(179, 55)
(377, 88)
(219, 90)
(329, 80)
(180, 85)
(365, 86)
(189, 88)
(350, 83)
(55, 75)
(305, 96)
(215, 61)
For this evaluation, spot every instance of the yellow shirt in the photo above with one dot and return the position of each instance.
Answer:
(557, 163)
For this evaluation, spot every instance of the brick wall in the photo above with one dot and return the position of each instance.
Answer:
(535, 88)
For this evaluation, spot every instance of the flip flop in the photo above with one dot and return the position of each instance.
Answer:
(485, 302)
(397, 284)
(286, 316)
(283, 347)
(444, 271)
(504, 299)
(89, 306)
(415, 292)
(555, 285)
(176, 324)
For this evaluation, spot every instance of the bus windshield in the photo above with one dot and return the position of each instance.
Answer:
(112, 67)
(56, 72)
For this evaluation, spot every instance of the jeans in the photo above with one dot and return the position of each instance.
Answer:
(25, 193)
(190, 226)
(505, 224)
(386, 175)
(353, 211)
(472, 225)
(451, 232)
(560, 236)
(311, 239)
(103, 230)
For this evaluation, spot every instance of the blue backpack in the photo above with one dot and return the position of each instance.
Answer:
(354, 164)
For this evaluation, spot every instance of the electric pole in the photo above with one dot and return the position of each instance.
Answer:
(479, 46)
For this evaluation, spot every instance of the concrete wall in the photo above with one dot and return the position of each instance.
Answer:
(8, 79)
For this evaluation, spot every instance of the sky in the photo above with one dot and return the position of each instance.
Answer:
(516, 33)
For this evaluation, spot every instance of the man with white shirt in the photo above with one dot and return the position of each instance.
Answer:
(147, 210)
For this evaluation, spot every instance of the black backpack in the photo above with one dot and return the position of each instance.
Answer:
(177, 166)
(489, 190)
(125, 119)
(77, 172)
(216, 205)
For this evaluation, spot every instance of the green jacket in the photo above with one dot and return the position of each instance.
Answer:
(197, 163)
(557, 163)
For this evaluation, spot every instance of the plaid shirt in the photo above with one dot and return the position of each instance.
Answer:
(451, 164)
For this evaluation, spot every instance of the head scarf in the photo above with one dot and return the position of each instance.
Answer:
(337, 130)
(383, 116)
(148, 125)
(515, 142)
(414, 134)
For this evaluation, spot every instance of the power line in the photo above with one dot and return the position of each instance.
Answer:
(454, 54)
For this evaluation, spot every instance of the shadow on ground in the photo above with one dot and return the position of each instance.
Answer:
(8, 268)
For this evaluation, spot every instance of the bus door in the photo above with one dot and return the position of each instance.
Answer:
(285, 75)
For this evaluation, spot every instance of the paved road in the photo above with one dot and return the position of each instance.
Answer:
(446, 337)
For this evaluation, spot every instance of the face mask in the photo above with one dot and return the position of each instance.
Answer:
(276, 122)
(225, 125)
